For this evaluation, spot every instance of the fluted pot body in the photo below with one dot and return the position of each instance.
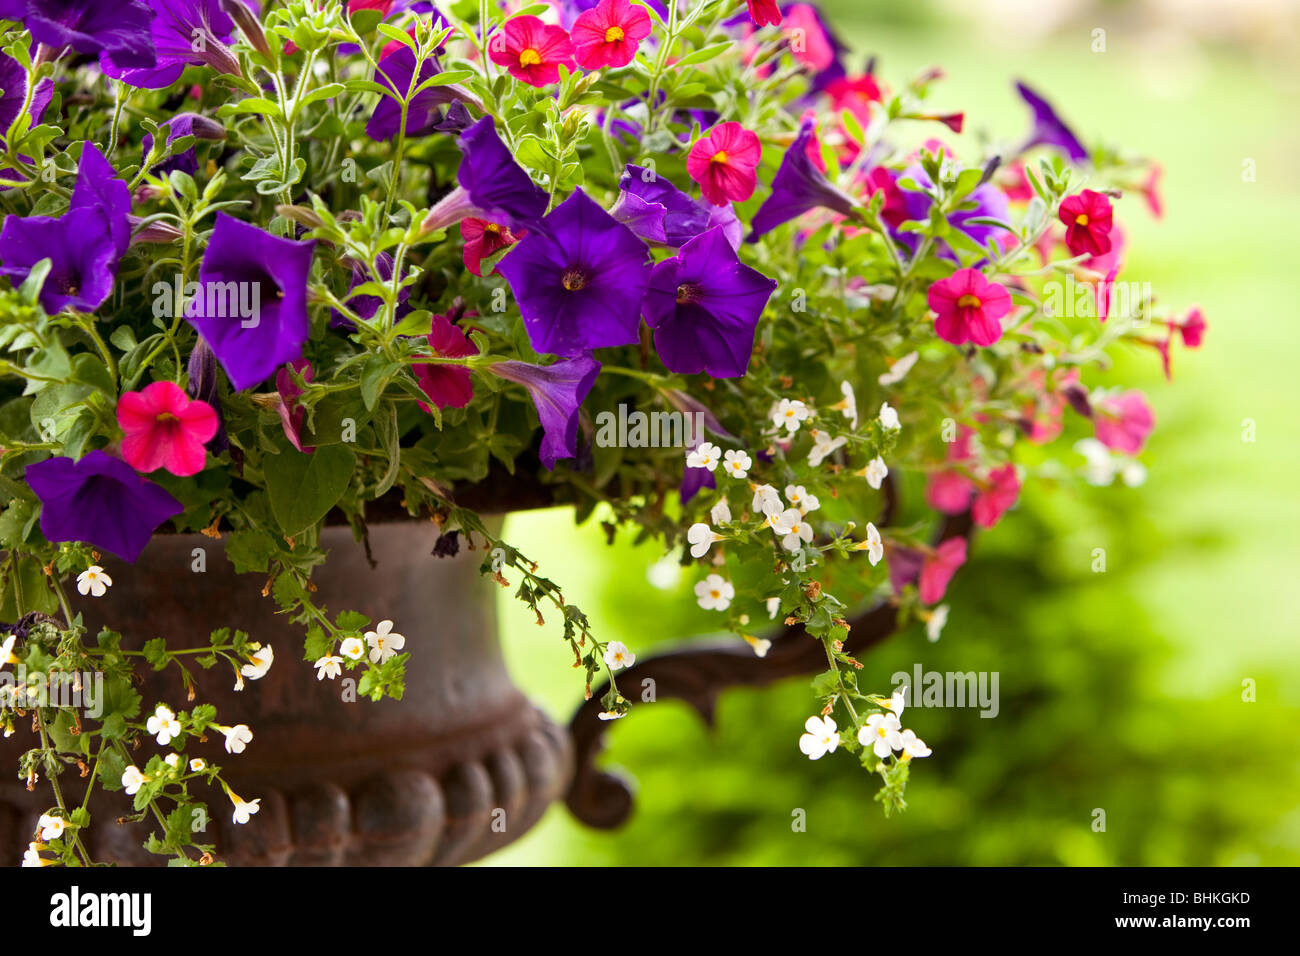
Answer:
(459, 767)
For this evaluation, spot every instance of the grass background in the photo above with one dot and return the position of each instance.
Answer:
(1120, 691)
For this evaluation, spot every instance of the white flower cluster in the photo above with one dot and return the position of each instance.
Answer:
(882, 733)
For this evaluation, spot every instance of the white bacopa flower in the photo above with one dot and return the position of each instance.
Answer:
(898, 371)
(912, 745)
(384, 642)
(721, 512)
(875, 472)
(244, 809)
(612, 715)
(701, 538)
(93, 581)
(617, 656)
(761, 645)
(239, 681)
(762, 495)
(799, 498)
(935, 622)
(352, 648)
(51, 827)
(706, 455)
(773, 606)
(330, 666)
(896, 702)
(824, 446)
(259, 663)
(172, 760)
(7, 655)
(880, 733)
(874, 547)
(821, 738)
(790, 413)
(33, 856)
(132, 780)
(848, 405)
(737, 464)
(793, 529)
(164, 724)
(889, 418)
(714, 593)
(237, 737)
(198, 765)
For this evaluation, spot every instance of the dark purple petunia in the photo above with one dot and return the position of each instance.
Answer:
(557, 391)
(183, 33)
(1049, 129)
(694, 479)
(798, 187)
(99, 188)
(456, 121)
(13, 93)
(704, 305)
(184, 124)
(367, 305)
(202, 371)
(422, 113)
(492, 186)
(658, 211)
(99, 500)
(108, 28)
(251, 304)
(579, 287)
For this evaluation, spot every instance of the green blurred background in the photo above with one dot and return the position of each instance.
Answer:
(1120, 691)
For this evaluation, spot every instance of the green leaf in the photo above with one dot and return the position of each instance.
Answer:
(303, 488)
(254, 104)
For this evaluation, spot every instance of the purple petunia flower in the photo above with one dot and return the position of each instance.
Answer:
(184, 124)
(99, 500)
(367, 305)
(557, 391)
(13, 93)
(422, 114)
(183, 32)
(108, 28)
(83, 245)
(580, 286)
(798, 187)
(658, 211)
(1049, 129)
(251, 305)
(704, 306)
(202, 372)
(492, 186)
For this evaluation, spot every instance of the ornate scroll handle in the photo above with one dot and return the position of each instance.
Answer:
(696, 672)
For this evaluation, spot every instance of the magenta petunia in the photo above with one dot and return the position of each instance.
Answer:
(608, 34)
(448, 386)
(1088, 219)
(166, 429)
(531, 51)
(764, 12)
(997, 495)
(723, 161)
(1123, 422)
(938, 569)
(967, 308)
(949, 491)
(292, 414)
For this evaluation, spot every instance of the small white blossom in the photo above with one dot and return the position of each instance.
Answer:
(330, 666)
(617, 656)
(848, 405)
(821, 738)
(874, 547)
(912, 745)
(7, 655)
(352, 648)
(935, 622)
(239, 681)
(824, 446)
(789, 413)
(793, 529)
(259, 663)
(93, 581)
(799, 498)
(611, 714)
(889, 418)
(896, 702)
(172, 760)
(721, 512)
(701, 538)
(773, 606)
(875, 472)
(763, 494)
(706, 455)
(33, 856)
(384, 642)
(51, 827)
(761, 645)
(132, 780)
(881, 734)
(164, 724)
(237, 737)
(737, 464)
(714, 593)
(198, 765)
(244, 809)
(898, 371)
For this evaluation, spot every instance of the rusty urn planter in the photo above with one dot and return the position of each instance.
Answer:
(459, 767)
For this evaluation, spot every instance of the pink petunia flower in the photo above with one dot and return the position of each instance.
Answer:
(1123, 421)
(1192, 329)
(815, 49)
(939, 568)
(967, 308)
(483, 240)
(1088, 219)
(292, 415)
(949, 492)
(764, 12)
(165, 428)
(448, 386)
(997, 496)
(609, 33)
(723, 161)
(531, 51)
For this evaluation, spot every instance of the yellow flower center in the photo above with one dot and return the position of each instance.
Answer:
(716, 594)
(968, 301)
(492, 227)
(529, 57)
(1081, 219)
(720, 156)
(613, 34)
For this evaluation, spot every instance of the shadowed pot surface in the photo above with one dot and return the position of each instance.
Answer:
(459, 767)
